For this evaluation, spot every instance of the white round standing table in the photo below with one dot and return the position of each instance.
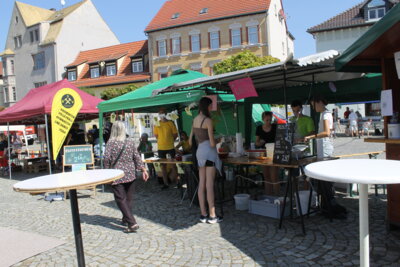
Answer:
(363, 172)
(71, 181)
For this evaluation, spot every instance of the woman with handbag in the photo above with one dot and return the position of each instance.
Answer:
(121, 153)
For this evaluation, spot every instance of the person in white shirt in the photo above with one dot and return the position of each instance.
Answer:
(353, 123)
(329, 206)
(324, 142)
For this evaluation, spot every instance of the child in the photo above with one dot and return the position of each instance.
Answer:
(184, 143)
(145, 147)
(366, 127)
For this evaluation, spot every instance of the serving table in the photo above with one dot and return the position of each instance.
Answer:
(363, 172)
(292, 181)
(71, 181)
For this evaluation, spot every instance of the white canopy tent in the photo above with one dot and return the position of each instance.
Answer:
(14, 128)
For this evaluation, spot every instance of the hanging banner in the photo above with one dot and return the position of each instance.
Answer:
(66, 105)
(243, 88)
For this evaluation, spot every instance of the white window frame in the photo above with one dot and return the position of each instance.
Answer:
(195, 45)
(251, 35)
(375, 10)
(236, 37)
(71, 75)
(137, 65)
(18, 41)
(162, 49)
(214, 40)
(95, 71)
(39, 61)
(111, 69)
(176, 45)
(6, 94)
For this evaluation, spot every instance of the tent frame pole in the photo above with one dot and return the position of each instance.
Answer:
(48, 143)
(9, 149)
(284, 92)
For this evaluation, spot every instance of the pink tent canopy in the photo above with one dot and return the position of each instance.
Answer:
(38, 101)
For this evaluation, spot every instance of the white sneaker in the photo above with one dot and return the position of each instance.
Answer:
(213, 220)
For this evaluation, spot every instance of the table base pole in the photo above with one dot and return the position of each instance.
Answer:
(364, 224)
(77, 227)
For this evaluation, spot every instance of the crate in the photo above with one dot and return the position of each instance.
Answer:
(37, 167)
(268, 209)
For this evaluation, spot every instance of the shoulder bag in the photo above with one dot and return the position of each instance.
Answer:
(119, 155)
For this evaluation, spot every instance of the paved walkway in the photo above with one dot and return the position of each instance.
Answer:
(170, 234)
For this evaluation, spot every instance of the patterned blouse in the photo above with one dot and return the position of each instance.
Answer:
(129, 161)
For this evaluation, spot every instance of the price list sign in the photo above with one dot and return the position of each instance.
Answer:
(283, 143)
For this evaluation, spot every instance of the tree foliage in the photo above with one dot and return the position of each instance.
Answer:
(241, 61)
(114, 92)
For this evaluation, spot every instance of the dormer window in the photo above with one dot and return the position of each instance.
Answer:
(376, 9)
(137, 65)
(94, 71)
(204, 11)
(111, 69)
(72, 75)
(175, 16)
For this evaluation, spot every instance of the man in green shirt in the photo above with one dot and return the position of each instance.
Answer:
(304, 124)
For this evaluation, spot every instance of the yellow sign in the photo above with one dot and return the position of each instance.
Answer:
(66, 105)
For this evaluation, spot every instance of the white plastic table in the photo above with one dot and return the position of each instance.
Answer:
(71, 181)
(363, 172)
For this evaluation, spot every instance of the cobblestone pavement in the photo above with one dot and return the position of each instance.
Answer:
(170, 234)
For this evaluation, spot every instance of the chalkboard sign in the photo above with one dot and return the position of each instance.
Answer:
(283, 143)
(80, 154)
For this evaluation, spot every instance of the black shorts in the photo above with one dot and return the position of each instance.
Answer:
(210, 163)
(162, 154)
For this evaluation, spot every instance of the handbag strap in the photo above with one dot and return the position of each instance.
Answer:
(119, 155)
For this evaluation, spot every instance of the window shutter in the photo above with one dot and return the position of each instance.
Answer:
(170, 44)
(247, 35)
(219, 39)
(230, 37)
(241, 36)
(200, 41)
(258, 33)
(209, 40)
(158, 48)
(190, 43)
(180, 45)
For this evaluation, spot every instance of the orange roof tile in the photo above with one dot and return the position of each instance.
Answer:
(111, 52)
(124, 72)
(111, 80)
(190, 13)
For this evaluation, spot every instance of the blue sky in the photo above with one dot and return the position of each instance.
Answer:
(128, 18)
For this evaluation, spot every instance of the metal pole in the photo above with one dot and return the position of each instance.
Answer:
(364, 232)
(77, 228)
(284, 92)
(9, 150)
(101, 126)
(48, 143)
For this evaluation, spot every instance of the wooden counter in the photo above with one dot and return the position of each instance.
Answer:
(382, 140)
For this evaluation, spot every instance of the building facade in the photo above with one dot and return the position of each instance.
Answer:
(40, 42)
(340, 31)
(115, 66)
(198, 35)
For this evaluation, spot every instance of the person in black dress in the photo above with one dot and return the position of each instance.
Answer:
(266, 134)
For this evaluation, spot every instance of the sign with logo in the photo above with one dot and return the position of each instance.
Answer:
(65, 107)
